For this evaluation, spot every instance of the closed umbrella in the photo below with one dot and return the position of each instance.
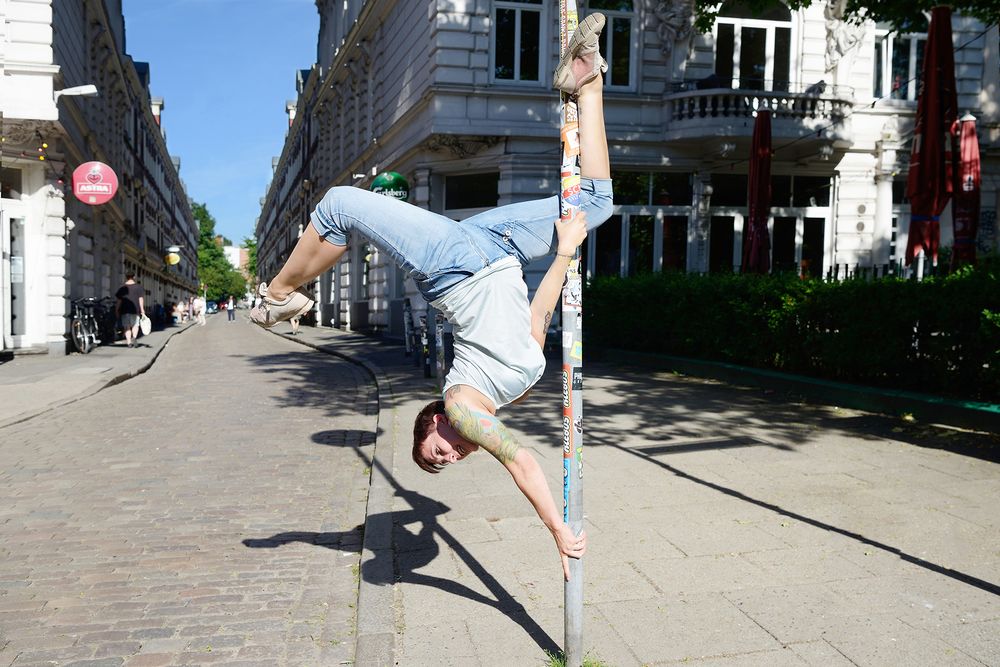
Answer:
(965, 205)
(929, 184)
(756, 243)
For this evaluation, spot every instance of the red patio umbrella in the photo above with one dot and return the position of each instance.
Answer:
(929, 184)
(757, 243)
(965, 205)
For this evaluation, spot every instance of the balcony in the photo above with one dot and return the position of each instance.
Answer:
(814, 115)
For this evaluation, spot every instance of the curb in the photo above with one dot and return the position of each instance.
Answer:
(935, 409)
(96, 387)
(375, 636)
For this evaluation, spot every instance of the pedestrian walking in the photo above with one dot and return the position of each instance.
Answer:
(472, 272)
(295, 325)
(198, 307)
(231, 308)
(130, 307)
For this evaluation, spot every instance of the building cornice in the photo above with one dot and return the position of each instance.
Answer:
(23, 67)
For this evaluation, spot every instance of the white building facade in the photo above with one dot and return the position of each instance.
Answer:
(56, 248)
(456, 96)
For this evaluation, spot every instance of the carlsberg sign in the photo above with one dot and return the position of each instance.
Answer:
(391, 184)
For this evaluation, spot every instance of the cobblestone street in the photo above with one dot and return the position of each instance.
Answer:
(206, 511)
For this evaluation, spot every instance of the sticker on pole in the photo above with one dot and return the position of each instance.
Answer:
(94, 183)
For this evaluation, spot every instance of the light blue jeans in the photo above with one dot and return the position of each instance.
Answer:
(439, 252)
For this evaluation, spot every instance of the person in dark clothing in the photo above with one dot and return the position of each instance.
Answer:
(130, 307)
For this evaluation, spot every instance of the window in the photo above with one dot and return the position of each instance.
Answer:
(471, 191)
(753, 48)
(729, 190)
(617, 39)
(517, 40)
(10, 183)
(640, 244)
(652, 188)
(675, 241)
(608, 257)
(898, 62)
(811, 191)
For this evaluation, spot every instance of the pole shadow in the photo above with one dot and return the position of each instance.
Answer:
(414, 545)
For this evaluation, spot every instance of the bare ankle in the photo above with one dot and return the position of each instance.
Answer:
(277, 293)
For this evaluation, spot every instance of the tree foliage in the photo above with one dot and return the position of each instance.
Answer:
(902, 15)
(215, 272)
(250, 243)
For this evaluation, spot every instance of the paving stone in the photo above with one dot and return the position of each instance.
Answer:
(725, 528)
(129, 529)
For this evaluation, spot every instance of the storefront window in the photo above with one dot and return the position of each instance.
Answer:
(471, 191)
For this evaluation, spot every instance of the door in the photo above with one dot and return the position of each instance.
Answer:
(13, 280)
(721, 243)
(5, 302)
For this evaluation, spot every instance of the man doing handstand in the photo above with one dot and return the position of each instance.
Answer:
(471, 272)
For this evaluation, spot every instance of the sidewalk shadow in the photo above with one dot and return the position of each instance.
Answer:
(316, 380)
(664, 405)
(788, 425)
(412, 549)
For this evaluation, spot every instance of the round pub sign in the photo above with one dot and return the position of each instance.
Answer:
(391, 184)
(94, 183)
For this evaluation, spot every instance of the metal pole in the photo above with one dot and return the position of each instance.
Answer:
(439, 349)
(572, 344)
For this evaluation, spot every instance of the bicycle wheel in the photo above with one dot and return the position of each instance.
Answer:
(81, 341)
(95, 331)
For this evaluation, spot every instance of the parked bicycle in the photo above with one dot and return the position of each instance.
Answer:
(107, 322)
(84, 328)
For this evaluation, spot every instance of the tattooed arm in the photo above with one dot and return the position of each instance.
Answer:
(571, 234)
(473, 417)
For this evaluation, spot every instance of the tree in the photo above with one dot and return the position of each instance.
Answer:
(902, 15)
(214, 271)
(250, 243)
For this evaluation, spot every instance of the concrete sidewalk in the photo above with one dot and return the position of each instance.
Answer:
(726, 527)
(33, 384)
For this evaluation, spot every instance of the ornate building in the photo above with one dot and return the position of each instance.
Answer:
(55, 247)
(458, 99)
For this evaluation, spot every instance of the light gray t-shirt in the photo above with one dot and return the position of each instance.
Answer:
(491, 320)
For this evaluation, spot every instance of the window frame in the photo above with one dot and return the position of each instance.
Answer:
(889, 40)
(521, 6)
(633, 47)
(769, 27)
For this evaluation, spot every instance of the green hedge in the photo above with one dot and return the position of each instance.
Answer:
(939, 336)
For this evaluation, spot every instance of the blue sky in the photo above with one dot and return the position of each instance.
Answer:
(224, 69)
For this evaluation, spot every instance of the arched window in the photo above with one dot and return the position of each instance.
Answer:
(753, 49)
(618, 41)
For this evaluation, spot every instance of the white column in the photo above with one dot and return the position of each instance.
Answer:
(698, 246)
(882, 234)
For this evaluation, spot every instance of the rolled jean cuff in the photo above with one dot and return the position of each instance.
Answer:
(597, 186)
(327, 231)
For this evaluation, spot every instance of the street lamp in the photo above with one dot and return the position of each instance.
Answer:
(87, 90)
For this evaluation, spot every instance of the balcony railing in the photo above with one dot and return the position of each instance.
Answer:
(693, 100)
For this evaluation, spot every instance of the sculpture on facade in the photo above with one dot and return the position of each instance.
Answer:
(675, 22)
(841, 37)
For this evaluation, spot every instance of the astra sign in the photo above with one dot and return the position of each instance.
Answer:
(94, 183)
